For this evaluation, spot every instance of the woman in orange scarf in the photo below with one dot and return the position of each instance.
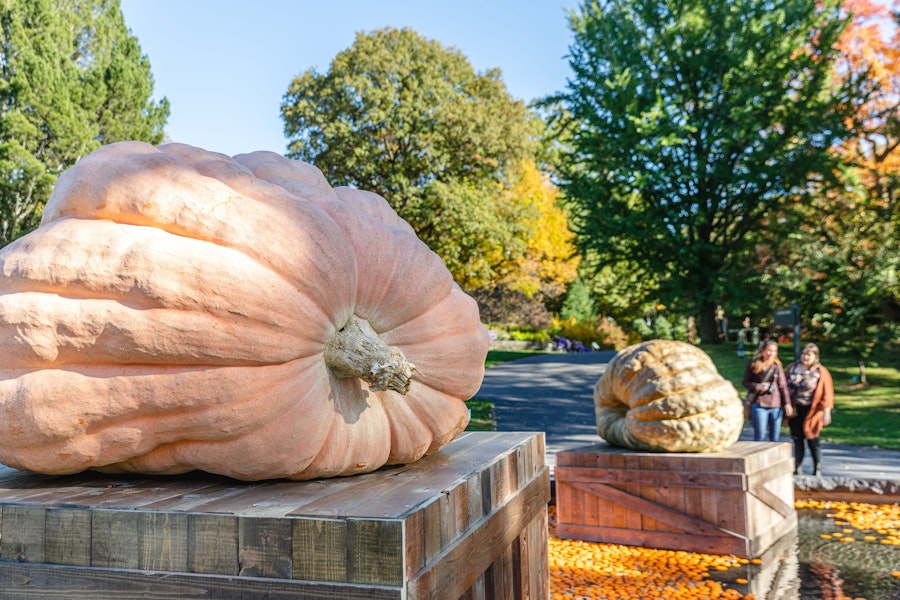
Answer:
(812, 396)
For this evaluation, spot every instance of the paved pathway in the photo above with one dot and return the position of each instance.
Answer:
(553, 393)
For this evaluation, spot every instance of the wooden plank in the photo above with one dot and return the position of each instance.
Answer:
(772, 501)
(68, 536)
(263, 499)
(671, 496)
(655, 478)
(710, 504)
(773, 472)
(320, 549)
(664, 514)
(416, 483)
(647, 491)
(115, 539)
(375, 551)
(188, 499)
(533, 564)
(693, 501)
(212, 544)
(32, 582)
(432, 525)
(765, 538)
(723, 544)
(106, 492)
(265, 547)
(486, 485)
(459, 565)
(24, 534)
(569, 501)
(474, 505)
(164, 541)
(414, 540)
(454, 513)
(478, 590)
(732, 511)
(618, 513)
(522, 456)
(499, 577)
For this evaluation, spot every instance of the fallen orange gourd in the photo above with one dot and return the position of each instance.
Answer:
(178, 309)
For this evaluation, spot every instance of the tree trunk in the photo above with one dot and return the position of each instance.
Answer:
(709, 333)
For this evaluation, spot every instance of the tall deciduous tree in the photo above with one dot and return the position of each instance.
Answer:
(72, 77)
(690, 123)
(410, 119)
(842, 259)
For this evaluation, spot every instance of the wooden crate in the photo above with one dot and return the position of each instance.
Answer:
(468, 522)
(737, 501)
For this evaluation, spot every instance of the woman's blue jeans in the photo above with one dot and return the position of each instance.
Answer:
(766, 421)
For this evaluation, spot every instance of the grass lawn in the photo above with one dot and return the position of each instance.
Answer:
(499, 356)
(865, 416)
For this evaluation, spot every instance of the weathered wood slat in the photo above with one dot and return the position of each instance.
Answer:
(42, 582)
(320, 549)
(264, 547)
(655, 478)
(23, 534)
(655, 539)
(68, 536)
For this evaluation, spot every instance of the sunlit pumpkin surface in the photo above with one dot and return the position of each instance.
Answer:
(814, 565)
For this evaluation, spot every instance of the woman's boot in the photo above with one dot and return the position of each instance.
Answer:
(816, 453)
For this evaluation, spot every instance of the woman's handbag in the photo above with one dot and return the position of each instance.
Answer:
(751, 396)
(748, 402)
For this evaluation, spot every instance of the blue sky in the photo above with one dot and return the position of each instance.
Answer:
(224, 65)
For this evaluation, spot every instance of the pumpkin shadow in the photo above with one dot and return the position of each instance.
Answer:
(351, 400)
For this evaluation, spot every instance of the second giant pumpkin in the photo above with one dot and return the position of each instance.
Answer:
(178, 309)
(667, 396)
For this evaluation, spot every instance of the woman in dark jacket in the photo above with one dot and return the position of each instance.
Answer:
(768, 397)
(812, 395)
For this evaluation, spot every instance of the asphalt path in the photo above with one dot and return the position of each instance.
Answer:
(553, 393)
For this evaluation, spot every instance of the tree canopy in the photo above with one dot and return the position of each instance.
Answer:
(689, 124)
(72, 77)
(840, 258)
(409, 119)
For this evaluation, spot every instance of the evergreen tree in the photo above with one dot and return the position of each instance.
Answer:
(72, 78)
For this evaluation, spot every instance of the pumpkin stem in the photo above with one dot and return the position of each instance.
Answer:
(357, 351)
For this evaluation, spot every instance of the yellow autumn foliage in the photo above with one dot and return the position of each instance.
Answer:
(551, 260)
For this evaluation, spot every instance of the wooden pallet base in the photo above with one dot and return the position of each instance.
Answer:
(469, 522)
(737, 501)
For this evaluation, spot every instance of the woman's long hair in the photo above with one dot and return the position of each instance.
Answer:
(759, 363)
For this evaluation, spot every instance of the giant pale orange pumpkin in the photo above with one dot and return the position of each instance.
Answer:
(666, 396)
(178, 309)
